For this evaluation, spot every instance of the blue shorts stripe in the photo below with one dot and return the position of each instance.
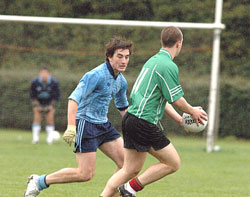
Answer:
(81, 133)
(79, 130)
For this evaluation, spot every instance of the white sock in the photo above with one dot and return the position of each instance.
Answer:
(130, 189)
(36, 128)
(50, 129)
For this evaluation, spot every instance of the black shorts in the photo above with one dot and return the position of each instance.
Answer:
(140, 135)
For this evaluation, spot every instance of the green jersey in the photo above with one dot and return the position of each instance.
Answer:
(157, 84)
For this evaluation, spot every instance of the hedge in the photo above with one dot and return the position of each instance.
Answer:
(30, 44)
(16, 110)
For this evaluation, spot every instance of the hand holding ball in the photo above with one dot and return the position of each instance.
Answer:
(190, 124)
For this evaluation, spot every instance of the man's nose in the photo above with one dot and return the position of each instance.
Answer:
(124, 60)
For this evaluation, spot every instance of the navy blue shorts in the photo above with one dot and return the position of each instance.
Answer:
(90, 136)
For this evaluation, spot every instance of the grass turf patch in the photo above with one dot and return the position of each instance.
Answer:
(224, 173)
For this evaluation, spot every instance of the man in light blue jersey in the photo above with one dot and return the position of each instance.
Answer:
(88, 125)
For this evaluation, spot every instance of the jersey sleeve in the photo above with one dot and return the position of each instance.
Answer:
(121, 101)
(33, 93)
(168, 81)
(85, 87)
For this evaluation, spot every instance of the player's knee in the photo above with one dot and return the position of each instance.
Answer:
(132, 172)
(85, 176)
(175, 165)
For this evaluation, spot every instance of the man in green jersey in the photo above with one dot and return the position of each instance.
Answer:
(156, 89)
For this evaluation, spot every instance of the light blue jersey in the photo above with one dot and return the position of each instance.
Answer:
(95, 91)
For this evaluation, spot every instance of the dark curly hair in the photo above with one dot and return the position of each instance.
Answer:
(117, 43)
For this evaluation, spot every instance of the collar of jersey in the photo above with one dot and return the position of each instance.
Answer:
(111, 70)
(166, 51)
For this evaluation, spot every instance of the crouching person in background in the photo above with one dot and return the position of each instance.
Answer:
(44, 92)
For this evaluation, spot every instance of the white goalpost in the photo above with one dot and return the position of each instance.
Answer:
(217, 26)
(214, 84)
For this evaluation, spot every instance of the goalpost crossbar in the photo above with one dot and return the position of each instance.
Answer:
(59, 20)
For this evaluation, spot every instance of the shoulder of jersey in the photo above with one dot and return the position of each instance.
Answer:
(54, 80)
(34, 80)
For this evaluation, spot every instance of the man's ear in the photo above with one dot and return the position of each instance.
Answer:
(109, 58)
(178, 43)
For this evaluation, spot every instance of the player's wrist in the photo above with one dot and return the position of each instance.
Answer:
(71, 127)
(192, 111)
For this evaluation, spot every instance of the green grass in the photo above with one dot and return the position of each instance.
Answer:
(219, 174)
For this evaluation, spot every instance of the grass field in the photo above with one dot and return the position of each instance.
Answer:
(219, 174)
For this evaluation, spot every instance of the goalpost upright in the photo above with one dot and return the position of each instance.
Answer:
(217, 26)
(214, 84)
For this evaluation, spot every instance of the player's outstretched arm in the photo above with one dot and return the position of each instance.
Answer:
(70, 133)
(172, 113)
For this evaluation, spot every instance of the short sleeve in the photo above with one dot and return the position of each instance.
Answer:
(85, 87)
(33, 94)
(168, 81)
(120, 98)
